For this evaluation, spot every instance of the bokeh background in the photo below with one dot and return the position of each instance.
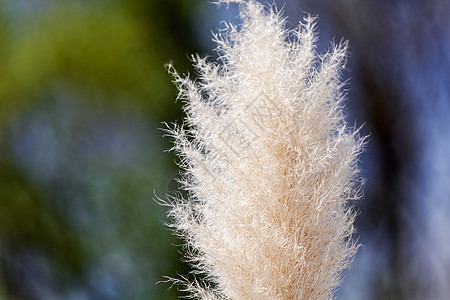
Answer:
(83, 91)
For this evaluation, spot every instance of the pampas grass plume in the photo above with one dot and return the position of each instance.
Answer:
(269, 164)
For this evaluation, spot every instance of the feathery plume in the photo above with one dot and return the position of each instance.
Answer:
(269, 164)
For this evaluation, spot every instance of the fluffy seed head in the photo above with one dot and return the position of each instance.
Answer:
(269, 164)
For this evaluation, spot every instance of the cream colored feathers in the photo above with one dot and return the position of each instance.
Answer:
(269, 164)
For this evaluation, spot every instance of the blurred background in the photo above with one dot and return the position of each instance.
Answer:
(83, 91)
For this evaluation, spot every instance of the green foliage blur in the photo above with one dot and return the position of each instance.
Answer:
(83, 91)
